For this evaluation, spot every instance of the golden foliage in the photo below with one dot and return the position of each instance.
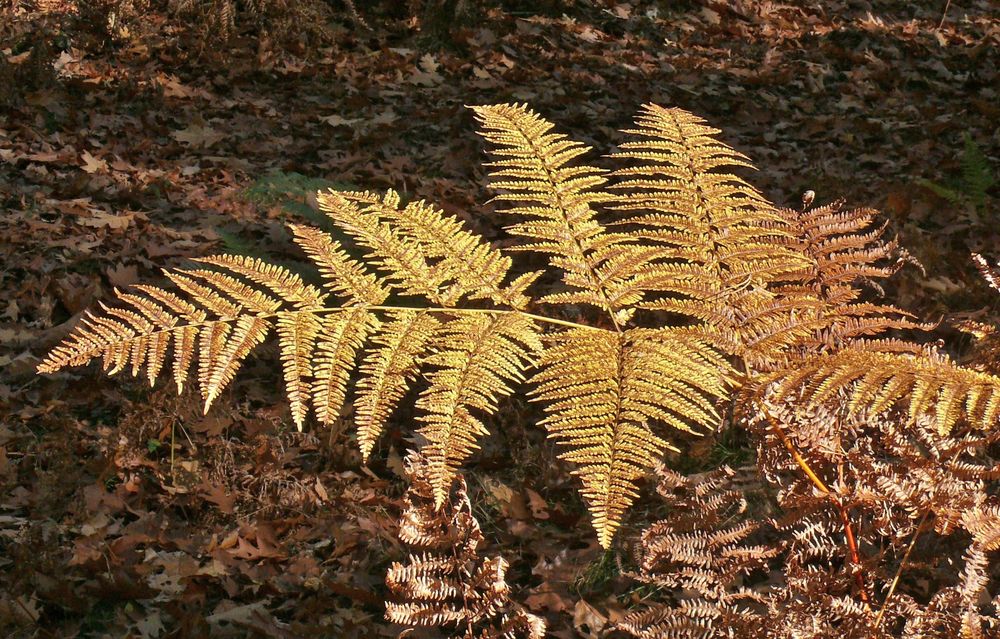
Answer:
(476, 358)
(876, 381)
(602, 389)
(773, 289)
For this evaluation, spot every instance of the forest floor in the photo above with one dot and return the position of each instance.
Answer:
(126, 512)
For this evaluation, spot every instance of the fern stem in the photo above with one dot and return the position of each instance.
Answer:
(50, 367)
(852, 544)
(489, 311)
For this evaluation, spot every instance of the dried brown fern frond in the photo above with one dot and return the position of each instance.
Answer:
(957, 611)
(700, 553)
(445, 582)
(845, 249)
(703, 544)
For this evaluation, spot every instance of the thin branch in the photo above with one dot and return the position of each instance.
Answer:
(899, 571)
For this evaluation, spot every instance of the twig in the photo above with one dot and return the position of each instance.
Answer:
(944, 14)
(899, 571)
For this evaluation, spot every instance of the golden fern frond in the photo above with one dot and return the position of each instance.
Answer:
(601, 390)
(401, 259)
(687, 202)
(249, 331)
(122, 337)
(476, 357)
(285, 284)
(875, 381)
(297, 334)
(205, 296)
(476, 269)
(556, 198)
(388, 369)
(343, 274)
(184, 336)
(341, 337)
(244, 296)
(721, 243)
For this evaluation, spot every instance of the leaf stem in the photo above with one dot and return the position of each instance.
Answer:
(899, 571)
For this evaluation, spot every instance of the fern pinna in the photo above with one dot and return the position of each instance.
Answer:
(676, 235)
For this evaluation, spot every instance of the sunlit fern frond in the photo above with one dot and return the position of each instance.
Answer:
(721, 243)
(681, 195)
(388, 369)
(283, 283)
(184, 335)
(476, 358)
(535, 171)
(401, 260)
(344, 275)
(475, 268)
(989, 272)
(602, 389)
(777, 290)
(342, 335)
(220, 322)
(297, 334)
(875, 381)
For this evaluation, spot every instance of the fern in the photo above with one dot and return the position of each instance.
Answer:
(975, 182)
(445, 583)
(677, 234)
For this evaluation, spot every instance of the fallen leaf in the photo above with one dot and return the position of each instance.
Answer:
(587, 620)
(198, 136)
(92, 164)
(122, 275)
(336, 120)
